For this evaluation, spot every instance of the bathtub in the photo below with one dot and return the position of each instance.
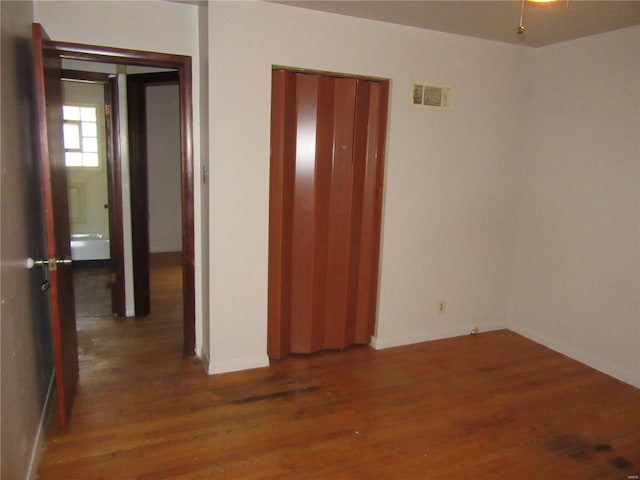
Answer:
(89, 246)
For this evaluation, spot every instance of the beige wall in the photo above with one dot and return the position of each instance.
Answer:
(27, 368)
(577, 271)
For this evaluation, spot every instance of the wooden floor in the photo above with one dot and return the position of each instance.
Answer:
(491, 406)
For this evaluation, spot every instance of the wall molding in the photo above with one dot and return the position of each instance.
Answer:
(380, 343)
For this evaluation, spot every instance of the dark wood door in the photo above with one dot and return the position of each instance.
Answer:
(327, 148)
(139, 175)
(48, 93)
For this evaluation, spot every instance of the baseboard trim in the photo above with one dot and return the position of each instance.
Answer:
(380, 343)
(39, 441)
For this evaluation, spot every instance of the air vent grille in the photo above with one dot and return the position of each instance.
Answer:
(431, 95)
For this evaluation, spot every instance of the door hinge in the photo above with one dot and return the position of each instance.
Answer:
(107, 110)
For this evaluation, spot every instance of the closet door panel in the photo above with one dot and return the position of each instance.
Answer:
(357, 190)
(324, 154)
(303, 218)
(283, 128)
(370, 229)
(327, 148)
(339, 220)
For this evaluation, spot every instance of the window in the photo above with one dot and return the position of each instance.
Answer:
(80, 124)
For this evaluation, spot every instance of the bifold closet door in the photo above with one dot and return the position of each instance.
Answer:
(327, 145)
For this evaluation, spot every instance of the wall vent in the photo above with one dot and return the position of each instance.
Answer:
(431, 95)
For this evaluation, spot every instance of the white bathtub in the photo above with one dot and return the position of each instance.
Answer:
(89, 246)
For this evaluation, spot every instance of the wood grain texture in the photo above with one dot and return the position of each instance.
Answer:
(490, 406)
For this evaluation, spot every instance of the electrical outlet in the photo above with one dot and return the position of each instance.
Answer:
(442, 307)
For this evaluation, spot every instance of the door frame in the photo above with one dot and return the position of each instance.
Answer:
(139, 180)
(182, 64)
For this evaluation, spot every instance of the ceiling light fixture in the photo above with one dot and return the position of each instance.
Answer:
(521, 27)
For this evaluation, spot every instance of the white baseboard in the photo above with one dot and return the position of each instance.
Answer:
(39, 441)
(236, 364)
(380, 343)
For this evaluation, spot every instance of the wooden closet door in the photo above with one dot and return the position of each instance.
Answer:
(340, 216)
(326, 174)
(371, 155)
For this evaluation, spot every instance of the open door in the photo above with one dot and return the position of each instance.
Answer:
(139, 180)
(48, 92)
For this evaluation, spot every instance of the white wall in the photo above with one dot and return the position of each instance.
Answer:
(163, 152)
(576, 281)
(202, 231)
(151, 25)
(451, 179)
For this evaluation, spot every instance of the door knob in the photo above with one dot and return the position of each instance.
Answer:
(52, 263)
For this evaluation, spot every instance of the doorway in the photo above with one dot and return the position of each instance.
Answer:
(182, 65)
(154, 153)
(154, 182)
(88, 158)
(327, 156)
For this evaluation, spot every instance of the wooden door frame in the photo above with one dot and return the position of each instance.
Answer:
(182, 64)
(114, 187)
(139, 179)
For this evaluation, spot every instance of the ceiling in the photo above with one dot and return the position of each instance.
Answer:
(545, 24)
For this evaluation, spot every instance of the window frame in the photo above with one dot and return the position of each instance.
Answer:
(100, 137)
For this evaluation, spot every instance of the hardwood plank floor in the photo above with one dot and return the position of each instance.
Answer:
(491, 406)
